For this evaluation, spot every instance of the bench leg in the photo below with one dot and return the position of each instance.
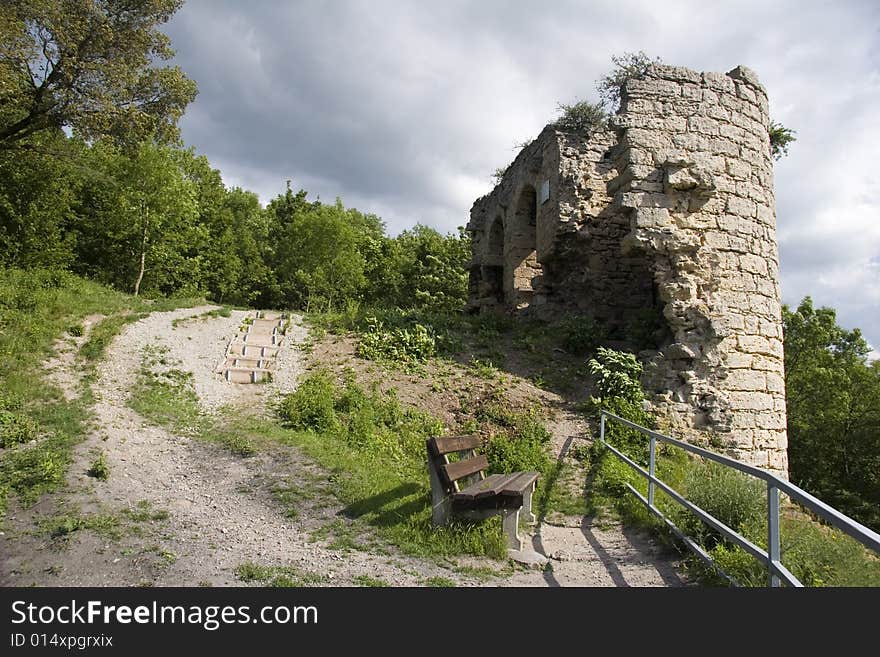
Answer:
(441, 505)
(527, 506)
(510, 523)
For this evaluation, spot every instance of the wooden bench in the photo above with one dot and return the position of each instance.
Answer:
(462, 488)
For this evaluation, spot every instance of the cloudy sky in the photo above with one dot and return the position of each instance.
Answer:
(404, 109)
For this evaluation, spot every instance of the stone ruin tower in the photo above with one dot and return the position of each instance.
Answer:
(661, 226)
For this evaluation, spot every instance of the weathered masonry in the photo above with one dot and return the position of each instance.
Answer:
(661, 226)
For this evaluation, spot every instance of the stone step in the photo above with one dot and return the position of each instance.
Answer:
(268, 340)
(251, 350)
(265, 326)
(246, 375)
(267, 363)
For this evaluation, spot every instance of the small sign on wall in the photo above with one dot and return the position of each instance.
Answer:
(544, 195)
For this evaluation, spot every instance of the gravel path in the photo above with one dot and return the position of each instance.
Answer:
(213, 511)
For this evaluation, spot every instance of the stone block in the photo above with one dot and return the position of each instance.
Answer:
(774, 421)
(750, 401)
(738, 360)
(753, 264)
(745, 380)
(741, 207)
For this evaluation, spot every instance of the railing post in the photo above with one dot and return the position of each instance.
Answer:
(773, 550)
(602, 429)
(651, 467)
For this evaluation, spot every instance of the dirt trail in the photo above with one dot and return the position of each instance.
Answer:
(192, 512)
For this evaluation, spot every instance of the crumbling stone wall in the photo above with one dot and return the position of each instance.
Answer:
(669, 215)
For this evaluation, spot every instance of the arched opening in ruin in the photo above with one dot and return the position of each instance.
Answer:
(520, 253)
(493, 261)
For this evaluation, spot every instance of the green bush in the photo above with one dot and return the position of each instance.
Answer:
(524, 448)
(36, 470)
(734, 498)
(633, 443)
(99, 468)
(616, 380)
(581, 335)
(508, 454)
(311, 406)
(404, 345)
(582, 116)
(16, 428)
(616, 374)
(372, 421)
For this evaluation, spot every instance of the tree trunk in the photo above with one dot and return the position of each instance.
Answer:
(137, 283)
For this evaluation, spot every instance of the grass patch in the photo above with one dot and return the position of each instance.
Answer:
(144, 512)
(224, 311)
(374, 448)
(818, 555)
(99, 468)
(485, 573)
(281, 576)
(63, 525)
(37, 307)
(113, 526)
(367, 581)
(165, 396)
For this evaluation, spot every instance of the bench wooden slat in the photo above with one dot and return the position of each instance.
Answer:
(460, 469)
(488, 487)
(440, 446)
(491, 486)
(518, 483)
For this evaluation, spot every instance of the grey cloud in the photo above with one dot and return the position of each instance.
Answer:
(405, 109)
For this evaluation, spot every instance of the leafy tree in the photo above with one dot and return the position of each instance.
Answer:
(89, 65)
(139, 221)
(780, 138)
(249, 229)
(316, 254)
(582, 116)
(626, 66)
(38, 196)
(833, 403)
(433, 269)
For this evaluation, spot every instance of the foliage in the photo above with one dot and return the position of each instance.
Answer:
(780, 139)
(616, 374)
(277, 576)
(625, 66)
(582, 116)
(99, 469)
(732, 497)
(403, 346)
(311, 407)
(375, 448)
(582, 335)
(498, 174)
(616, 382)
(523, 448)
(36, 307)
(833, 405)
(816, 554)
(15, 428)
(90, 66)
(432, 270)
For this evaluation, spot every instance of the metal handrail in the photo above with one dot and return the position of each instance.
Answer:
(771, 557)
